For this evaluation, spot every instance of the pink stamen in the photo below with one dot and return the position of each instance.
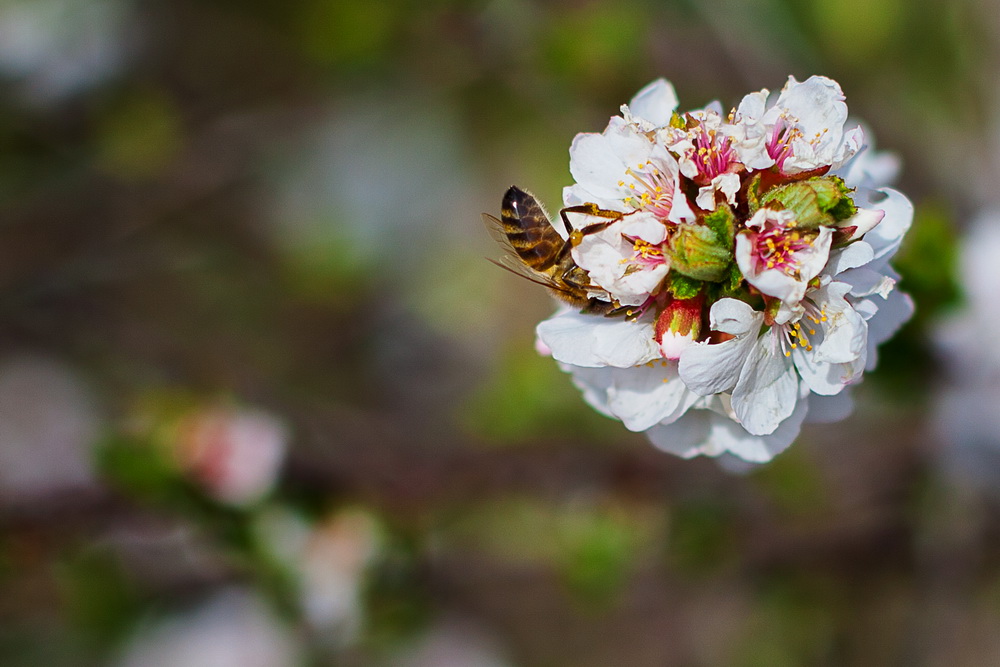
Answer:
(713, 153)
(779, 145)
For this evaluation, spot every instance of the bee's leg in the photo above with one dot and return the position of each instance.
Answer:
(576, 235)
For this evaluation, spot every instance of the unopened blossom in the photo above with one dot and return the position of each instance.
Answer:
(745, 257)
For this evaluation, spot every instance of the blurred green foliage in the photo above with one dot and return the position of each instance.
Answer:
(528, 399)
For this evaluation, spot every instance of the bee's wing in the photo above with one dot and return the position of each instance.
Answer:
(510, 261)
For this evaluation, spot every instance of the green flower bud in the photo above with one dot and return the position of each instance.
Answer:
(815, 201)
(696, 251)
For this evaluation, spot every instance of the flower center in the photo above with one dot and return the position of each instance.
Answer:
(776, 247)
(713, 153)
(645, 254)
(653, 191)
(792, 335)
(779, 145)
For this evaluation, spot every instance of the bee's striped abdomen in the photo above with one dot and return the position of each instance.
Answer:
(529, 231)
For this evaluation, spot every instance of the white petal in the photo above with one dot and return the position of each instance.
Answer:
(647, 395)
(856, 254)
(767, 390)
(864, 221)
(576, 194)
(706, 198)
(734, 317)
(685, 437)
(598, 161)
(713, 368)
(727, 184)
(865, 282)
(748, 131)
(594, 341)
(823, 378)
(681, 211)
(655, 103)
(886, 237)
(845, 331)
(731, 437)
(892, 314)
(870, 168)
(594, 383)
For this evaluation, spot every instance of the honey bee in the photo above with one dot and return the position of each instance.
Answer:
(536, 250)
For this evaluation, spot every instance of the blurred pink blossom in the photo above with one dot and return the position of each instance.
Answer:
(233, 453)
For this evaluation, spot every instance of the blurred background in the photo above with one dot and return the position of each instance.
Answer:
(263, 402)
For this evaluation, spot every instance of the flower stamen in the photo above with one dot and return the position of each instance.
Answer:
(655, 192)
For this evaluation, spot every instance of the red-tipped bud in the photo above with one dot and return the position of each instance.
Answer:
(679, 325)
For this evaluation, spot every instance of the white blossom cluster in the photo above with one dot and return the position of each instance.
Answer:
(749, 267)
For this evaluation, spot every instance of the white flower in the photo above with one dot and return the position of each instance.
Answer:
(621, 169)
(804, 130)
(967, 419)
(234, 628)
(778, 259)
(626, 258)
(705, 155)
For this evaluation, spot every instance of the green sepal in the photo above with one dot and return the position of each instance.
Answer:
(723, 223)
(683, 287)
(753, 194)
(733, 280)
(843, 209)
